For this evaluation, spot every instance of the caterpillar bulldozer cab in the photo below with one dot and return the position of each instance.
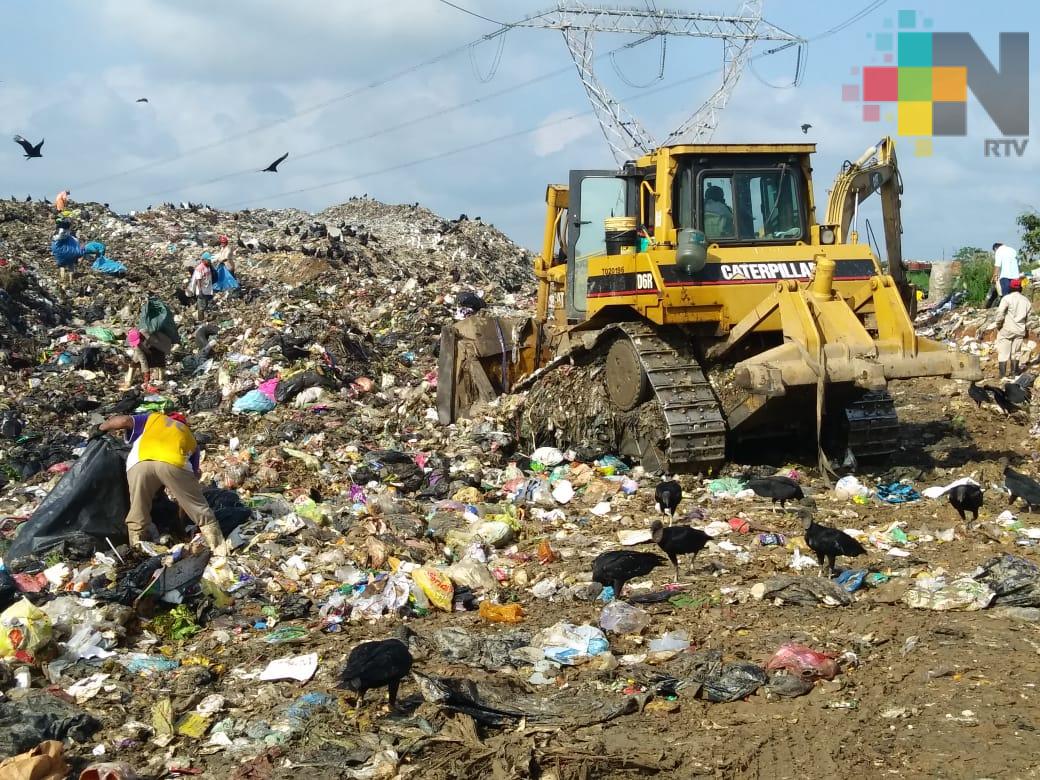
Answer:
(691, 304)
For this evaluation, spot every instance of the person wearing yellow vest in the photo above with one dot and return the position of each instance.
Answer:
(163, 453)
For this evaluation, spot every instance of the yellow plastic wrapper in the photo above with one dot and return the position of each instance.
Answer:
(468, 495)
(193, 725)
(24, 630)
(436, 586)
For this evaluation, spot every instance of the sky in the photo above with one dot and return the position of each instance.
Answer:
(340, 85)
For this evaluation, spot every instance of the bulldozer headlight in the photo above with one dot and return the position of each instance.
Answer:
(827, 236)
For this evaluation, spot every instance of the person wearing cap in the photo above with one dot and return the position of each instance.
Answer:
(1011, 316)
(149, 352)
(201, 284)
(163, 454)
(1005, 267)
(226, 255)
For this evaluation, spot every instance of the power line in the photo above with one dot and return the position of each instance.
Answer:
(472, 13)
(383, 130)
(863, 12)
(373, 134)
(303, 112)
(443, 112)
(471, 147)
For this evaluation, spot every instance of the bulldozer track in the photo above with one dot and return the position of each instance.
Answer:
(873, 426)
(691, 415)
(691, 411)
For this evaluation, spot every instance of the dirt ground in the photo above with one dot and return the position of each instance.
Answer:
(934, 694)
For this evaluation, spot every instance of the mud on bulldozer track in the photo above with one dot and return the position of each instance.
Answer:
(635, 390)
(641, 392)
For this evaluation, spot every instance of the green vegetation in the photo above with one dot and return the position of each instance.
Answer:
(1029, 250)
(919, 279)
(976, 273)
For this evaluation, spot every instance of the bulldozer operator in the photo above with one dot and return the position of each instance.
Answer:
(718, 217)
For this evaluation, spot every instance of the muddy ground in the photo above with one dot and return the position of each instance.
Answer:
(934, 694)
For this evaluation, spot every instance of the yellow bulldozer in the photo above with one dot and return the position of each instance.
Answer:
(690, 305)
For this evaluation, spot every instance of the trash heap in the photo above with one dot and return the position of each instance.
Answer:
(352, 514)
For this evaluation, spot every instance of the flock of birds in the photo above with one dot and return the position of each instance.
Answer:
(1009, 398)
(386, 662)
(36, 150)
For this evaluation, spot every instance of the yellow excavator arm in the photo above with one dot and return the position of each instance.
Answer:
(875, 171)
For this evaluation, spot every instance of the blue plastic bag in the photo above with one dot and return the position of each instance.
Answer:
(107, 265)
(224, 279)
(253, 401)
(852, 579)
(95, 248)
(66, 251)
(897, 493)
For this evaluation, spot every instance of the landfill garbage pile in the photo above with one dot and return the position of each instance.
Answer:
(469, 556)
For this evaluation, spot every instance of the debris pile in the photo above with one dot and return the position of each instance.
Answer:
(470, 555)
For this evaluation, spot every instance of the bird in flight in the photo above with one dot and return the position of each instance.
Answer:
(30, 150)
(806, 128)
(141, 100)
(273, 167)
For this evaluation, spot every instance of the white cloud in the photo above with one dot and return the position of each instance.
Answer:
(554, 135)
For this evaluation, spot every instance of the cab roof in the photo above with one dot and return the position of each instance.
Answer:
(719, 149)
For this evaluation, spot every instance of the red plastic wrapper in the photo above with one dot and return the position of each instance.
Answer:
(740, 525)
(804, 662)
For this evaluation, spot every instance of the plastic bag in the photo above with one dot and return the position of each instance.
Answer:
(669, 642)
(254, 401)
(436, 586)
(803, 661)
(547, 456)
(106, 265)
(620, 617)
(501, 613)
(297, 383)
(944, 595)
(234, 474)
(733, 682)
(156, 317)
(223, 279)
(568, 644)
(496, 533)
(91, 499)
(849, 487)
(66, 251)
(101, 334)
(1015, 581)
(563, 491)
(24, 630)
(471, 574)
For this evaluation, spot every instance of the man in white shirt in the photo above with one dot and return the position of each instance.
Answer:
(201, 284)
(1005, 267)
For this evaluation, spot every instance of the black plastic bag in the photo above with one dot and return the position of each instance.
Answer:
(733, 682)
(228, 508)
(296, 384)
(92, 498)
(1016, 581)
(40, 716)
(8, 590)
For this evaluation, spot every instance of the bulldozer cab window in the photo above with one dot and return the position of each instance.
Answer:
(742, 206)
(600, 195)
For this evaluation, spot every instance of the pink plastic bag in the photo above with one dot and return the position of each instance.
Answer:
(804, 662)
(268, 387)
